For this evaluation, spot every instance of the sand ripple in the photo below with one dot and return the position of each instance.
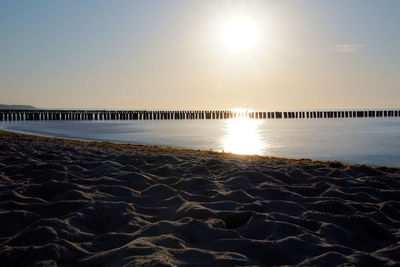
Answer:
(79, 203)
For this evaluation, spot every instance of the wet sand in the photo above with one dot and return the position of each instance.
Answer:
(72, 203)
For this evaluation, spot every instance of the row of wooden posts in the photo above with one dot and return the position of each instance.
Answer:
(19, 115)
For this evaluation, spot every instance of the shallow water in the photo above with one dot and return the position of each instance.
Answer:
(373, 141)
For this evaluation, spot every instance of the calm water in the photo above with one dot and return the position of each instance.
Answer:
(373, 141)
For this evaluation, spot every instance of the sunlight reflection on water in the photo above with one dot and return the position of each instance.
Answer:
(242, 136)
(373, 141)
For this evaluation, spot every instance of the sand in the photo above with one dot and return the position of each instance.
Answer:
(72, 203)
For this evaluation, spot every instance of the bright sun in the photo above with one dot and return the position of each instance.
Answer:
(239, 34)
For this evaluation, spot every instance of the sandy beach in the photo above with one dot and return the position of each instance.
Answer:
(71, 203)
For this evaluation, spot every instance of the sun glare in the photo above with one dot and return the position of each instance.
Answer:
(243, 137)
(239, 33)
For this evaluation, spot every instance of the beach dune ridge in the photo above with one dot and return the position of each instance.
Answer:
(71, 203)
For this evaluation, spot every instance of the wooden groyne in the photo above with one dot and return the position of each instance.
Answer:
(21, 115)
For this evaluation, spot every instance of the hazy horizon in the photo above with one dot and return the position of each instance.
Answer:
(185, 54)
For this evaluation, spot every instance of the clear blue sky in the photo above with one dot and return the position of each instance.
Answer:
(170, 54)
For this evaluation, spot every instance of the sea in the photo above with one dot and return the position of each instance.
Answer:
(370, 141)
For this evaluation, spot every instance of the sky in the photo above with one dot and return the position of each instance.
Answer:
(169, 54)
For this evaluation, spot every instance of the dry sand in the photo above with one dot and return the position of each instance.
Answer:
(72, 203)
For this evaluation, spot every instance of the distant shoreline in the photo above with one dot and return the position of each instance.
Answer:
(17, 107)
